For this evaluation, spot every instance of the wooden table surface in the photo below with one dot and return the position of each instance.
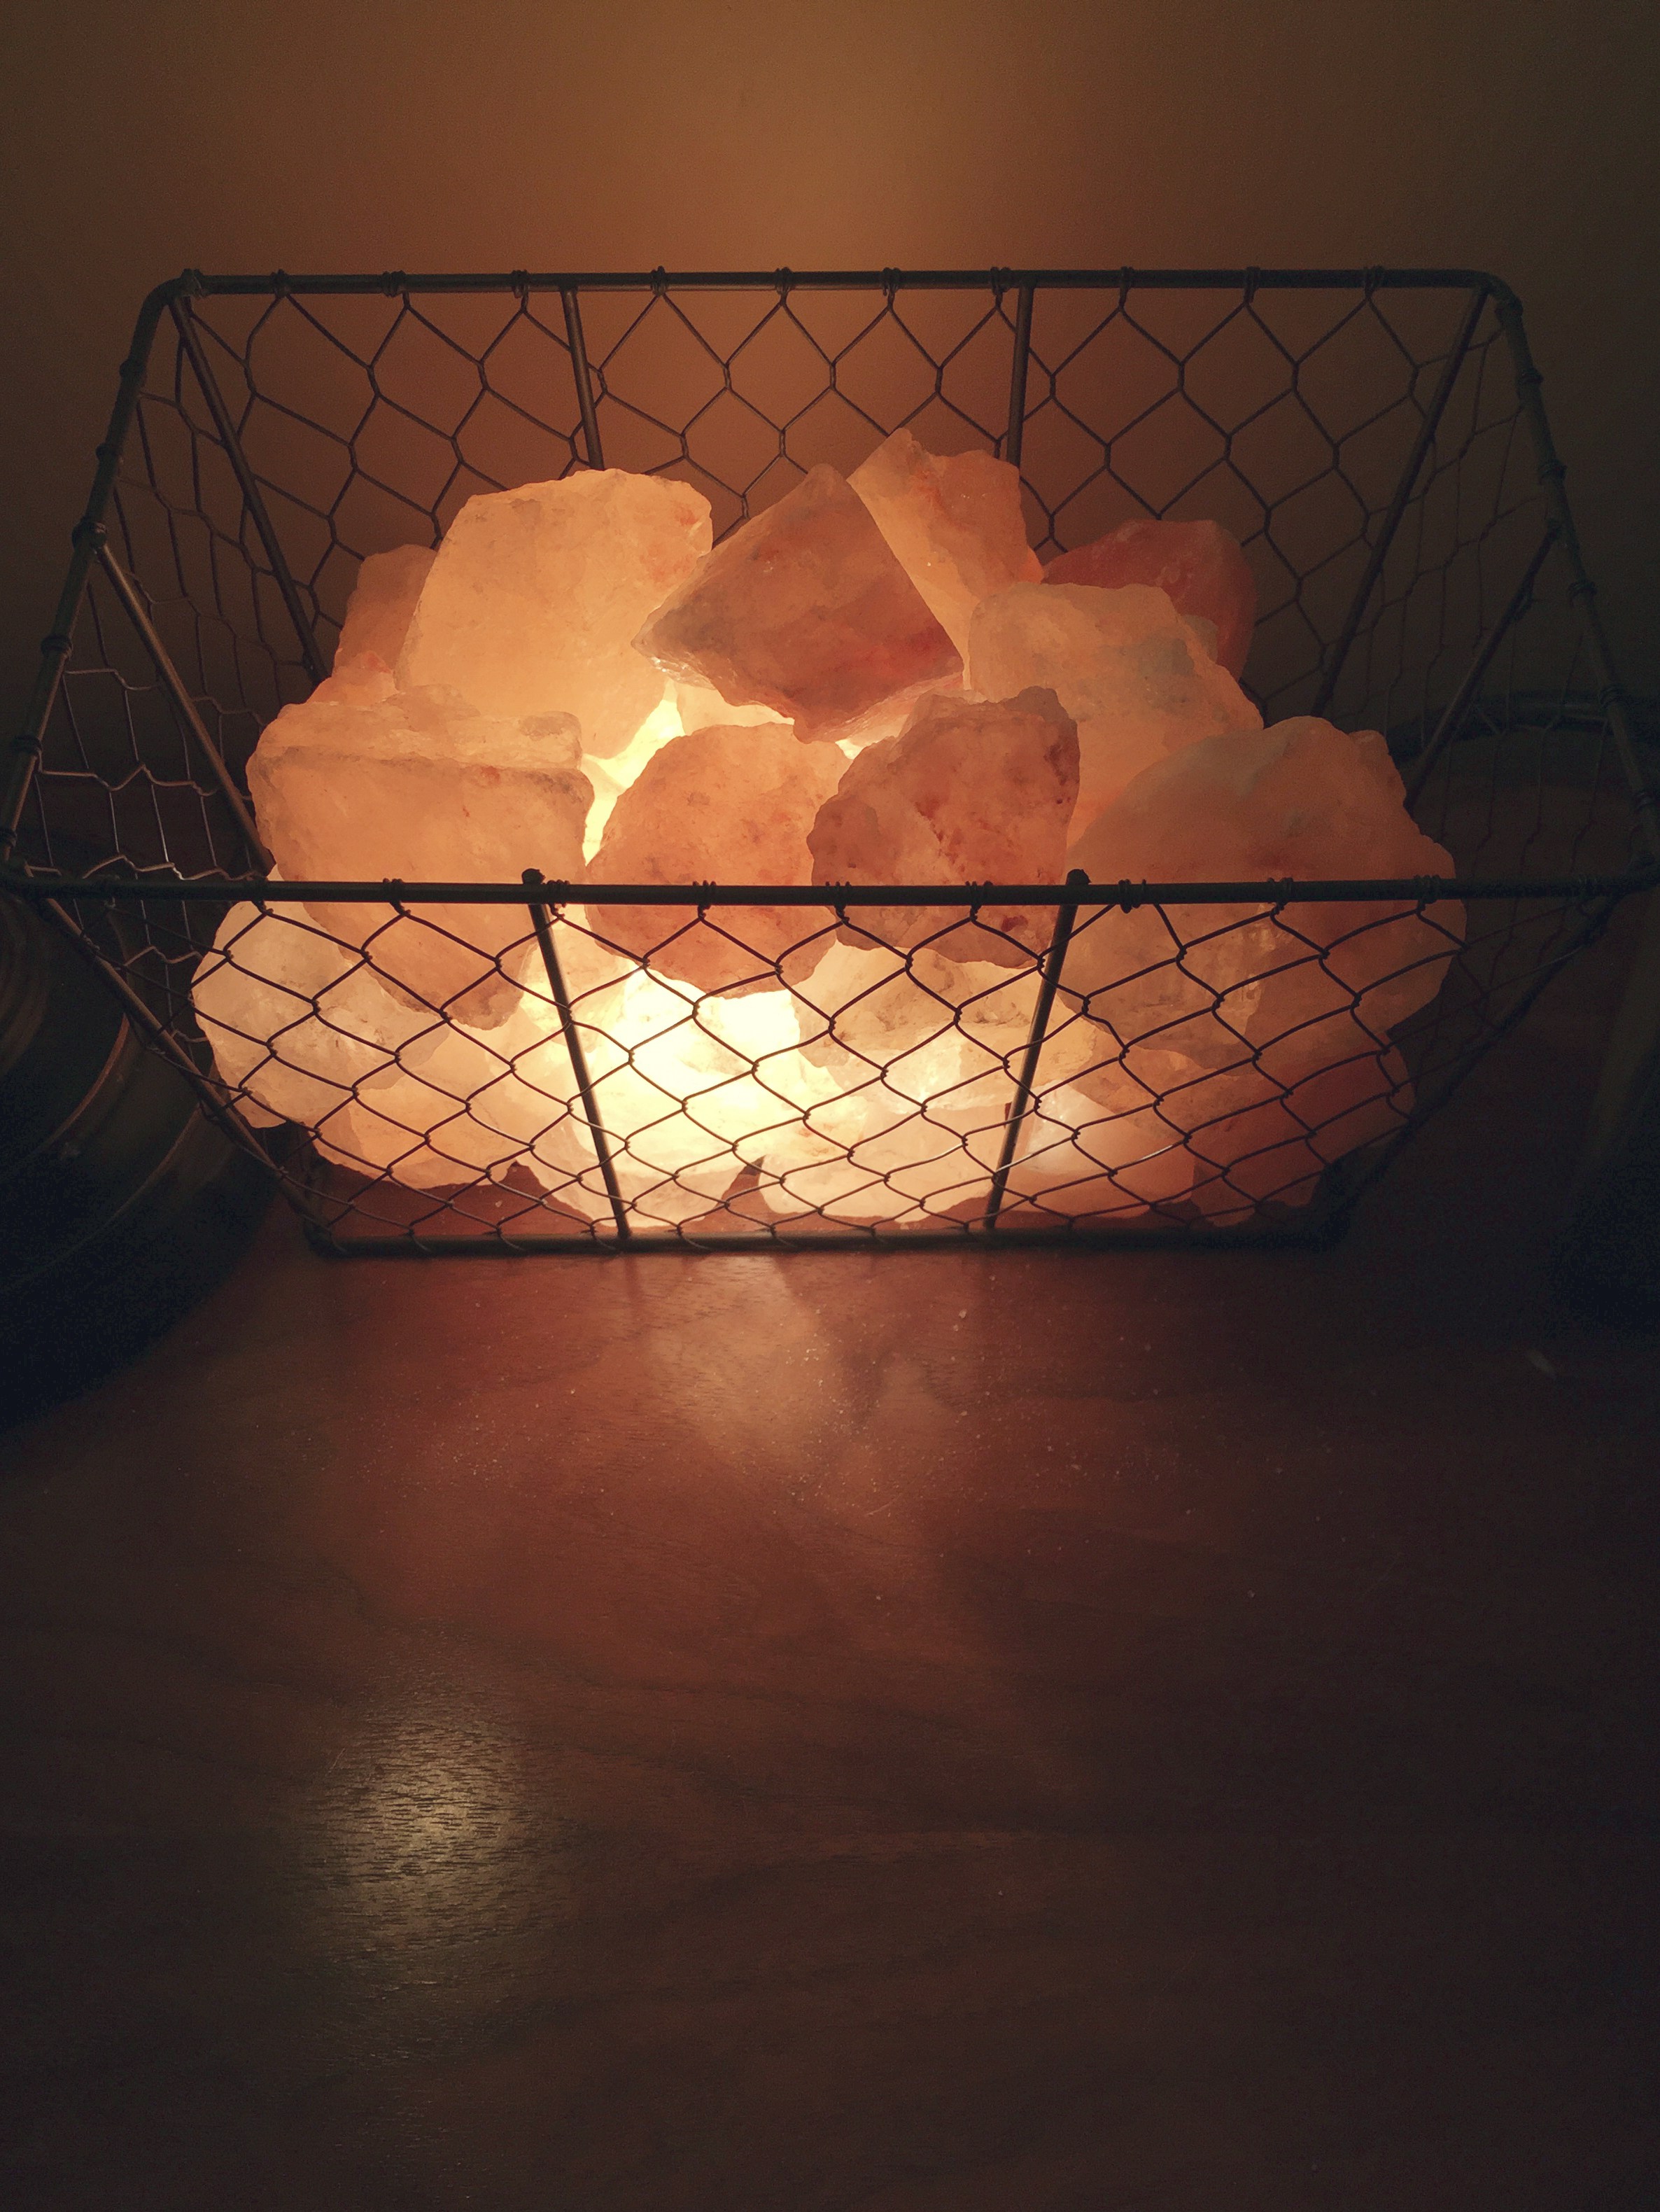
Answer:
(913, 1733)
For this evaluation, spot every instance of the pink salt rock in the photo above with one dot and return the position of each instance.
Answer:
(954, 522)
(1137, 677)
(701, 706)
(1217, 984)
(383, 602)
(418, 786)
(536, 594)
(1092, 1166)
(803, 609)
(1274, 1152)
(970, 792)
(727, 805)
(442, 1114)
(1200, 567)
(687, 1087)
(881, 1155)
(295, 1020)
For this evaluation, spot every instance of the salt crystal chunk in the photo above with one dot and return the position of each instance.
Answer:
(1094, 1166)
(420, 786)
(459, 1104)
(686, 1089)
(1200, 567)
(803, 609)
(537, 595)
(383, 602)
(699, 707)
(954, 522)
(727, 805)
(1136, 677)
(295, 1019)
(1301, 799)
(889, 717)
(970, 792)
(612, 777)
(1275, 1151)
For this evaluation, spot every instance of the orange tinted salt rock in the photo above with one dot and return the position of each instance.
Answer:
(535, 596)
(1138, 680)
(804, 610)
(1302, 799)
(970, 792)
(383, 602)
(418, 786)
(953, 520)
(726, 806)
(1199, 565)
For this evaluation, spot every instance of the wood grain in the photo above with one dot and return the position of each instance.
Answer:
(918, 1734)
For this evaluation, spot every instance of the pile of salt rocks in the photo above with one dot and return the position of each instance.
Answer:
(872, 682)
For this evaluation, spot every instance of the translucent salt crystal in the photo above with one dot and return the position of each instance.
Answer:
(970, 792)
(1199, 566)
(803, 609)
(537, 595)
(955, 523)
(917, 1049)
(448, 1109)
(1301, 799)
(700, 706)
(1096, 1163)
(889, 717)
(682, 1088)
(383, 601)
(611, 777)
(1264, 1035)
(686, 1089)
(295, 1020)
(727, 805)
(419, 786)
(1138, 680)
(1275, 1151)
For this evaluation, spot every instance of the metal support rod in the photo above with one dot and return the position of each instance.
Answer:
(174, 684)
(579, 370)
(1610, 692)
(251, 495)
(24, 753)
(1019, 1106)
(535, 881)
(1014, 437)
(1397, 506)
(1457, 707)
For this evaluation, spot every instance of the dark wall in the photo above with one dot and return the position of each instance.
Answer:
(359, 134)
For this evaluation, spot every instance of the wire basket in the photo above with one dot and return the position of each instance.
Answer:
(1020, 1061)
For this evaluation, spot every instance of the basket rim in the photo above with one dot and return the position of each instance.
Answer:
(1275, 892)
(196, 283)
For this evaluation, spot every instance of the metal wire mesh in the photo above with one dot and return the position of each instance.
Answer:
(1240, 1060)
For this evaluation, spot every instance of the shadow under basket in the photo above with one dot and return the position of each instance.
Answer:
(498, 1067)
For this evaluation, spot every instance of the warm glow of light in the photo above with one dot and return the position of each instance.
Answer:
(611, 778)
(985, 724)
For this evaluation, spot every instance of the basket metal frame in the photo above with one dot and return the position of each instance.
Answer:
(64, 898)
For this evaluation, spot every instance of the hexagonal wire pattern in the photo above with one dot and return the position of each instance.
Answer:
(1374, 439)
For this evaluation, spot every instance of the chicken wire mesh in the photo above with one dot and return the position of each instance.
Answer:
(1179, 1063)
